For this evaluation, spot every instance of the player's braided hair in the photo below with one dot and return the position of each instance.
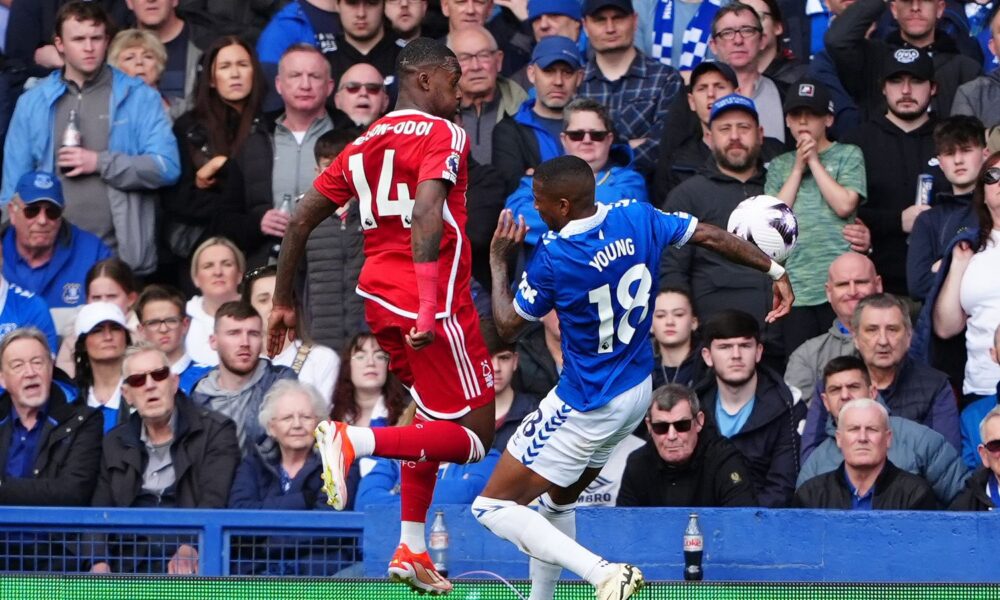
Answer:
(423, 52)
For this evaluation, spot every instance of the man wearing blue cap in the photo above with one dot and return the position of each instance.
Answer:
(531, 136)
(43, 252)
(555, 17)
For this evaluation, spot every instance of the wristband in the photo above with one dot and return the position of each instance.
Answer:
(427, 290)
(776, 271)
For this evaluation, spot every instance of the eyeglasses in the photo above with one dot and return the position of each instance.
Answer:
(401, 2)
(662, 427)
(991, 176)
(577, 135)
(52, 212)
(380, 357)
(170, 323)
(745, 32)
(482, 56)
(289, 419)
(353, 87)
(139, 379)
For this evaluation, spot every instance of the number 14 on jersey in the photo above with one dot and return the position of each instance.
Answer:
(401, 206)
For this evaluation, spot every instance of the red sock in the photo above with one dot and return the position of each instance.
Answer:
(441, 441)
(416, 489)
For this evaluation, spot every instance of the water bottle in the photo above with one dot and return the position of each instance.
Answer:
(285, 207)
(693, 546)
(438, 544)
(71, 138)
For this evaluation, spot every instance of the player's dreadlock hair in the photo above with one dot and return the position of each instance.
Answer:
(567, 177)
(424, 52)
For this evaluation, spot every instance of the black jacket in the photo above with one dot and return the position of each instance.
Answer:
(932, 232)
(895, 489)
(974, 497)
(893, 161)
(205, 454)
(67, 457)
(715, 476)
(769, 440)
(515, 150)
(860, 61)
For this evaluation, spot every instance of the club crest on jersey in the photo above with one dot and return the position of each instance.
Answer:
(71, 293)
(526, 290)
(451, 163)
(487, 369)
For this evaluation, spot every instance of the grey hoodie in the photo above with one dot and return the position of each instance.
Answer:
(980, 98)
(805, 365)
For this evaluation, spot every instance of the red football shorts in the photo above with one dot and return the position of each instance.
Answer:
(450, 376)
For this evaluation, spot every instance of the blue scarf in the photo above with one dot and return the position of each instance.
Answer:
(696, 35)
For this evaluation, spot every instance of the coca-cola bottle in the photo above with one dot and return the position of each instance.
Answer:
(438, 544)
(71, 138)
(693, 546)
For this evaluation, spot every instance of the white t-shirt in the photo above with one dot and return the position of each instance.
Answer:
(980, 299)
(196, 343)
(320, 369)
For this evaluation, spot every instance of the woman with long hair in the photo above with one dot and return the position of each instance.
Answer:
(367, 394)
(102, 338)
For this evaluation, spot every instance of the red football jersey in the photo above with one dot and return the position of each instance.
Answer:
(382, 169)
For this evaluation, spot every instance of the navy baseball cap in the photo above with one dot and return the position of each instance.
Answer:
(592, 6)
(39, 186)
(912, 61)
(713, 65)
(555, 48)
(809, 94)
(569, 8)
(732, 102)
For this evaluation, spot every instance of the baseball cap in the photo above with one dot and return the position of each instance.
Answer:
(592, 6)
(713, 65)
(555, 48)
(810, 94)
(732, 102)
(39, 186)
(912, 61)
(92, 315)
(570, 8)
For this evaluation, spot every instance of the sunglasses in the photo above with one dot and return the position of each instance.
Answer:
(662, 427)
(33, 210)
(577, 135)
(991, 176)
(354, 87)
(992, 446)
(139, 379)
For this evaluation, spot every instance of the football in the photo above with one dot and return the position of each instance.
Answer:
(768, 223)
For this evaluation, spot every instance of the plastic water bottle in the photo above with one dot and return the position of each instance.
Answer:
(71, 138)
(694, 545)
(438, 544)
(285, 207)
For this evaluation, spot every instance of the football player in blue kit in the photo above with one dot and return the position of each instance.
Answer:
(597, 268)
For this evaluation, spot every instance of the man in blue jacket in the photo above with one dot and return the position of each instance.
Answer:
(43, 252)
(123, 149)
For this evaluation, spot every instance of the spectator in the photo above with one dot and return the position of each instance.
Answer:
(674, 326)
(45, 254)
(505, 24)
(980, 491)
(915, 449)
(737, 40)
(636, 89)
(138, 53)
(973, 414)
(557, 17)
(967, 298)
(486, 96)
(823, 181)
(110, 280)
(334, 255)
(102, 338)
(860, 61)
(236, 387)
(366, 394)
(162, 323)
(52, 446)
(180, 71)
(512, 406)
(751, 406)
(776, 60)
(961, 152)
(821, 66)
(850, 278)
(899, 149)
(588, 133)
(808, 22)
(363, 39)
(981, 96)
(226, 156)
(217, 268)
(212, 18)
(882, 334)
(406, 17)
(313, 363)
(689, 22)
(685, 462)
(736, 173)
(127, 149)
(532, 135)
(170, 454)
(866, 479)
(361, 96)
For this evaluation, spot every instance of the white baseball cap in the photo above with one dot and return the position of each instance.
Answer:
(92, 315)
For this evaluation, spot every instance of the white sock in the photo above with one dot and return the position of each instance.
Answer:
(545, 576)
(535, 536)
(411, 533)
(362, 439)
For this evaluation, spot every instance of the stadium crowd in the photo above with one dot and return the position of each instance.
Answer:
(154, 151)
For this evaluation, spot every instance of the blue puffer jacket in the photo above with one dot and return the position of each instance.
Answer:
(288, 26)
(616, 181)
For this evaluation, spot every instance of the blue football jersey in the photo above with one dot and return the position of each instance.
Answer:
(21, 308)
(600, 274)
